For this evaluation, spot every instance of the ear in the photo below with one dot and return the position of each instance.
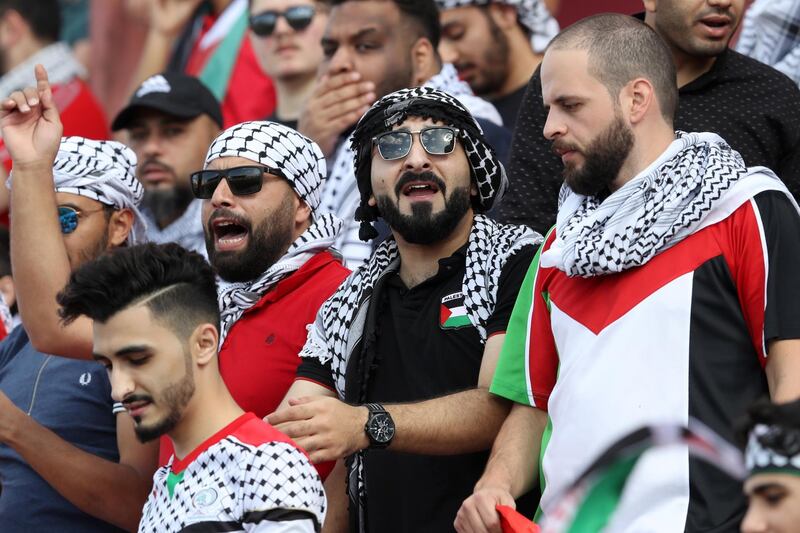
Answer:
(424, 61)
(503, 15)
(203, 344)
(8, 291)
(372, 202)
(650, 6)
(640, 97)
(302, 212)
(119, 227)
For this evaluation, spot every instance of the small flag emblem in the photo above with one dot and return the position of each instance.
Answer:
(453, 314)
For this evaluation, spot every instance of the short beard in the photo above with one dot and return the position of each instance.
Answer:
(494, 70)
(93, 252)
(167, 205)
(267, 244)
(175, 398)
(603, 159)
(422, 226)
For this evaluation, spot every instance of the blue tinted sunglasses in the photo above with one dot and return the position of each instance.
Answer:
(68, 217)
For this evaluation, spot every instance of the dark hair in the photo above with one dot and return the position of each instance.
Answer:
(622, 48)
(786, 415)
(44, 16)
(422, 14)
(178, 286)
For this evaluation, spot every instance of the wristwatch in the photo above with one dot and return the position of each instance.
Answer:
(379, 427)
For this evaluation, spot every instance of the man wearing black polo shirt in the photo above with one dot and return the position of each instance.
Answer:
(752, 106)
(422, 321)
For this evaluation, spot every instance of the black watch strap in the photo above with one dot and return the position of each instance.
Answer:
(379, 427)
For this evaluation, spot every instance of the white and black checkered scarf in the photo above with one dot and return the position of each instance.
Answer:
(340, 328)
(301, 161)
(657, 209)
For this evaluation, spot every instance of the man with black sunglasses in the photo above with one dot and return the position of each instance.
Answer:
(286, 40)
(70, 460)
(419, 326)
(271, 248)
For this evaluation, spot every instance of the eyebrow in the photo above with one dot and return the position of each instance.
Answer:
(365, 33)
(764, 487)
(129, 350)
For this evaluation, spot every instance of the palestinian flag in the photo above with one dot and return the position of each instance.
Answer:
(452, 313)
(588, 505)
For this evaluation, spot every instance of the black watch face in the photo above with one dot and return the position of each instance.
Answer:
(381, 428)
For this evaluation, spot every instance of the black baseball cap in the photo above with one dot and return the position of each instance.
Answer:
(173, 93)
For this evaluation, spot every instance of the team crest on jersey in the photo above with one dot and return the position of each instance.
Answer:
(452, 313)
(204, 498)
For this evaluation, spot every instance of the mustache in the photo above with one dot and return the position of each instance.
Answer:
(409, 176)
(224, 212)
(153, 162)
(558, 144)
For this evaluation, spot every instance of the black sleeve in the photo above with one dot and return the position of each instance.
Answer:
(511, 279)
(311, 369)
(534, 170)
(781, 223)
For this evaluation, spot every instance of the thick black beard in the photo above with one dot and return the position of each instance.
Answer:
(603, 159)
(268, 243)
(167, 205)
(175, 397)
(422, 226)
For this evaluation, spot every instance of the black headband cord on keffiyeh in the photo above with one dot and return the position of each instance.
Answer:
(301, 161)
(428, 103)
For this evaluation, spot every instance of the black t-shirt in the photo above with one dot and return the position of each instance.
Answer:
(755, 108)
(427, 349)
(508, 106)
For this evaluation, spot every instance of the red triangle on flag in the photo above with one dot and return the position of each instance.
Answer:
(444, 314)
(513, 522)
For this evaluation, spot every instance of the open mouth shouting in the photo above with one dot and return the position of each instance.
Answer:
(229, 231)
(423, 186)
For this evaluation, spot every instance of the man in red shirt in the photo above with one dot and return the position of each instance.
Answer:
(260, 192)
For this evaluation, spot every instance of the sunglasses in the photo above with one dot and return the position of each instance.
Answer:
(69, 217)
(436, 140)
(242, 181)
(298, 18)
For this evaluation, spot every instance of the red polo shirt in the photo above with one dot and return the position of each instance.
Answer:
(260, 355)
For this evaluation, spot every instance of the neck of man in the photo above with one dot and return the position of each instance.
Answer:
(211, 408)
(292, 95)
(419, 262)
(690, 67)
(646, 149)
(522, 64)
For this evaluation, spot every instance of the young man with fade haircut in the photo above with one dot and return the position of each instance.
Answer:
(666, 291)
(752, 106)
(67, 462)
(422, 321)
(772, 487)
(372, 48)
(156, 331)
(286, 38)
(272, 250)
(496, 46)
(170, 120)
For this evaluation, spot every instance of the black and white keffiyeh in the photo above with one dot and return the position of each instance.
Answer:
(302, 163)
(532, 14)
(427, 102)
(772, 448)
(103, 171)
(277, 146)
(340, 327)
(662, 205)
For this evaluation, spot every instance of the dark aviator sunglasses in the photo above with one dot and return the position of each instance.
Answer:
(436, 140)
(298, 18)
(242, 181)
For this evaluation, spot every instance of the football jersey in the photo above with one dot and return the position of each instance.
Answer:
(684, 335)
(246, 477)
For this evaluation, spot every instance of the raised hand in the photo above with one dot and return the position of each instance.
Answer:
(31, 125)
(338, 101)
(169, 17)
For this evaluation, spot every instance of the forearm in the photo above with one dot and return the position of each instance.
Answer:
(156, 50)
(463, 422)
(41, 265)
(107, 490)
(513, 464)
(783, 370)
